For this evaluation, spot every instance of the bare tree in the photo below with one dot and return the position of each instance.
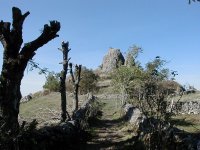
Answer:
(65, 50)
(75, 81)
(15, 59)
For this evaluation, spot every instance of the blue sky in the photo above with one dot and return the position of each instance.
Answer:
(168, 28)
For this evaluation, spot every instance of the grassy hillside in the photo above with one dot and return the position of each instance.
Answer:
(189, 97)
(188, 122)
(45, 108)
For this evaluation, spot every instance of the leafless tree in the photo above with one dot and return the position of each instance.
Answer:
(65, 50)
(75, 81)
(15, 59)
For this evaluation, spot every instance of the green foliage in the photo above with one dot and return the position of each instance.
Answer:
(149, 88)
(132, 54)
(52, 82)
(88, 82)
(34, 65)
(136, 81)
(123, 77)
(156, 68)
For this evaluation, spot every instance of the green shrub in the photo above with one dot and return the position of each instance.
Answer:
(52, 82)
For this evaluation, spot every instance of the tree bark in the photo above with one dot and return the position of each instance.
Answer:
(15, 61)
(75, 81)
(65, 50)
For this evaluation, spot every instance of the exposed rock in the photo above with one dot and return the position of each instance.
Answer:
(192, 107)
(172, 137)
(112, 60)
(26, 98)
(87, 111)
(133, 114)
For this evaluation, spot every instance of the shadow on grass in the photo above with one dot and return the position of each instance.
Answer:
(106, 123)
(182, 122)
(121, 145)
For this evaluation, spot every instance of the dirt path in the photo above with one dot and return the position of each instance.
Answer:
(110, 132)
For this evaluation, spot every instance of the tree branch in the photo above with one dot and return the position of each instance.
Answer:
(71, 73)
(4, 33)
(193, 1)
(49, 33)
(17, 25)
(18, 18)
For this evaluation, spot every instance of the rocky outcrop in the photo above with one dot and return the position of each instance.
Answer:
(112, 60)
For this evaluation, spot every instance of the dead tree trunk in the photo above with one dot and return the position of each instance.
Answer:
(65, 50)
(75, 81)
(15, 59)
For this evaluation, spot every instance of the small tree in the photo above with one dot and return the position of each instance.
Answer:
(122, 80)
(76, 77)
(15, 60)
(65, 50)
(153, 103)
(131, 57)
(88, 81)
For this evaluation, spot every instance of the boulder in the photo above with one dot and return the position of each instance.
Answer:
(26, 98)
(112, 60)
(133, 114)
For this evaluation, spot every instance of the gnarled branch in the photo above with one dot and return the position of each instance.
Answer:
(17, 25)
(49, 33)
(4, 33)
(12, 39)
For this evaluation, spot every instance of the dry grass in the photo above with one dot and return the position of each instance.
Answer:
(45, 108)
(188, 122)
(189, 97)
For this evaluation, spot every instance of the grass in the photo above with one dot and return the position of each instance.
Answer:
(110, 131)
(189, 97)
(42, 108)
(45, 108)
(188, 122)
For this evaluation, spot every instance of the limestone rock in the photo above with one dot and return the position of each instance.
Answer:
(133, 114)
(192, 107)
(112, 60)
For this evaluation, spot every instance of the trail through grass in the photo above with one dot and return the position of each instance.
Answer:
(110, 131)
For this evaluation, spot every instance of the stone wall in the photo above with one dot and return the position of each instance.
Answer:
(135, 116)
(88, 110)
(191, 107)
